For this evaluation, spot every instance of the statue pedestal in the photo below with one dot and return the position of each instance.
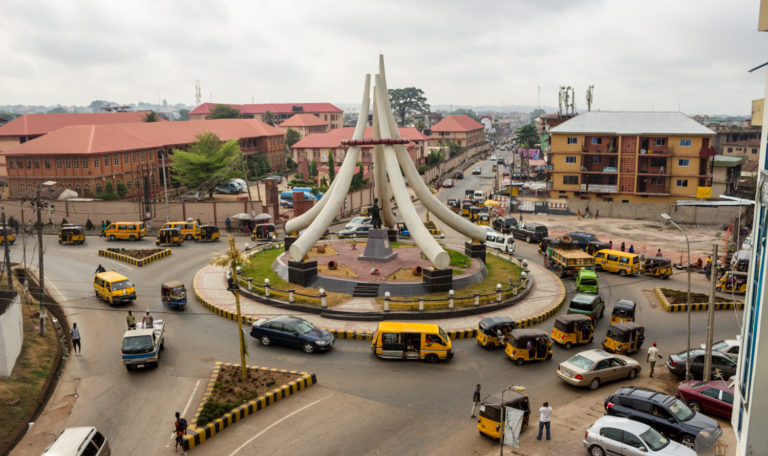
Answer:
(392, 235)
(378, 247)
(437, 280)
(289, 240)
(302, 272)
(473, 250)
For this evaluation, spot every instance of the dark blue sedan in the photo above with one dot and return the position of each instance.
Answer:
(293, 332)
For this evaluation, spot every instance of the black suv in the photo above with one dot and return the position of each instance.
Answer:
(581, 238)
(504, 224)
(666, 414)
(531, 232)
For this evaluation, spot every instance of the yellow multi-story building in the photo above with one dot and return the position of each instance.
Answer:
(632, 157)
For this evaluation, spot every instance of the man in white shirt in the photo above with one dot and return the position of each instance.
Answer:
(544, 419)
(653, 355)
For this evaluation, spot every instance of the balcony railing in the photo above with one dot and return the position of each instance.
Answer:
(599, 188)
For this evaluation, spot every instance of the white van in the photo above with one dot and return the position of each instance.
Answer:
(79, 441)
(501, 242)
(240, 183)
(479, 195)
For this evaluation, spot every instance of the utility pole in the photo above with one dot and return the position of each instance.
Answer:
(24, 245)
(711, 319)
(229, 261)
(248, 187)
(165, 187)
(7, 255)
(38, 205)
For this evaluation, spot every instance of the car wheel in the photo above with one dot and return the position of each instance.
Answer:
(594, 384)
(694, 405)
(632, 374)
(623, 273)
(431, 358)
(265, 340)
(689, 441)
(528, 239)
(128, 367)
(598, 267)
(112, 237)
(308, 348)
(568, 345)
(189, 237)
(595, 450)
(519, 361)
(488, 346)
(132, 238)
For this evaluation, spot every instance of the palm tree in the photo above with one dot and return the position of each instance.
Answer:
(151, 116)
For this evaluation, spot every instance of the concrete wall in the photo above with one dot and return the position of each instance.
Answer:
(680, 214)
(11, 334)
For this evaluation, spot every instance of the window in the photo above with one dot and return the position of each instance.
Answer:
(572, 140)
(570, 159)
(77, 189)
(633, 441)
(683, 162)
(10, 164)
(658, 142)
(711, 392)
(727, 397)
(685, 143)
(47, 163)
(96, 162)
(20, 164)
(135, 157)
(37, 164)
(143, 157)
(87, 190)
(657, 181)
(106, 161)
(754, 151)
(98, 189)
(67, 163)
(126, 158)
(85, 163)
(730, 149)
(611, 433)
(29, 163)
(682, 182)
(76, 163)
(116, 160)
(596, 140)
(13, 188)
(128, 184)
(570, 180)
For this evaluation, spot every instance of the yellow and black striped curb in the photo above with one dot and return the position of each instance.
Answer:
(134, 261)
(694, 305)
(199, 434)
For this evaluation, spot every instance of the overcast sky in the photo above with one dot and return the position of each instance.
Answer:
(691, 55)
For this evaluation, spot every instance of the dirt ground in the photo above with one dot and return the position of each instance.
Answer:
(645, 236)
(137, 253)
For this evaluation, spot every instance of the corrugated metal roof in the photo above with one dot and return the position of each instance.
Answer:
(727, 160)
(632, 123)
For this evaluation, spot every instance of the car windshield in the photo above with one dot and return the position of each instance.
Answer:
(682, 355)
(654, 440)
(589, 281)
(138, 344)
(681, 411)
(720, 345)
(581, 305)
(121, 285)
(304, 327)
(581, 362)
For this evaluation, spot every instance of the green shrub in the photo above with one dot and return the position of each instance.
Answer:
(64, 221)
(89, 225)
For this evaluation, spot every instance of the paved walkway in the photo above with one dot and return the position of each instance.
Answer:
(547, 292)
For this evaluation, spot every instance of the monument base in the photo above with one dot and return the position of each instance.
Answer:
(392, 234)
(289, 240)
(474, 250)
(378, 247)
(437, 280)
(302, 272)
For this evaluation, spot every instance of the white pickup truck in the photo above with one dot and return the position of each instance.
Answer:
(141, 346)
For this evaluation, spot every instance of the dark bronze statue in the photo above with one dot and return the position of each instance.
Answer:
(375, 216)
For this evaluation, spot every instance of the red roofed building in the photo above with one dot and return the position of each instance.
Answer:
(305, 124)
(317, 146)
(463, 130)
(31, 126)
(84, 157)
(282, 111)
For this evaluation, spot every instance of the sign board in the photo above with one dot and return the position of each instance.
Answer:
(513, 422)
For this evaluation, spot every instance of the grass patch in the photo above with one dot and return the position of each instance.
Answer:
(681, 296)
(138, 254)
(231, 391)
(458, 260)
(21, 393)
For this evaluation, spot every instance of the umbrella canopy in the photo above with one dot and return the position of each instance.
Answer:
(491, 203)
(506, 182)
(242, 216)
(263, 217)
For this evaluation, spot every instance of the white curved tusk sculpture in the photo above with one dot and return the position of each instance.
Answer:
(335, 199)
(389, 157)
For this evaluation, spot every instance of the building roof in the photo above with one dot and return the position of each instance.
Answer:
(727, 161)
(275, 108)
(333, 138)
(40, 124)
(632, 123)
(457, 123)
(92, 139)
(302, 120)
(748, 143)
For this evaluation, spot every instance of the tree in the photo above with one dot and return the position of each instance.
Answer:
(434, 157)
(454, 149)
(291, 137)
(407, 100)
(96, 105)
(121, 189)
(151, 116)
(420, 125)
(109, 192)
(221, 111)
(259, 165)
(58, 110)
(358, 181)
(535, 114)
(312, 170)
(207, 162)
(183, 114)
(331, 167)
(290, 164)
(464, 112)
(527, 136)
(269, 118)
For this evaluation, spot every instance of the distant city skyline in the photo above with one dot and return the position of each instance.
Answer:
(640, 56)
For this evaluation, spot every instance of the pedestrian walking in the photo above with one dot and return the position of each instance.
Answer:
(708, 268)
(475, 400)
(75, 334)
(631, 248)
(148, 321)
(622, 246)
(545, 414)
(180, 429)
(131, 320)
(578, 213)
(227, 223)
(610, 245)
(653, 356)
(247, 229)
(597, 213)
(103, 228)
(658, 253)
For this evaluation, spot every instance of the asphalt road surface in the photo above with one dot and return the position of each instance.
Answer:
(361, 405)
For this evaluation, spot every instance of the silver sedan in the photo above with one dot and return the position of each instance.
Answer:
(594, 367)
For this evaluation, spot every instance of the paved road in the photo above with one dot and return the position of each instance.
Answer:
(361, 405)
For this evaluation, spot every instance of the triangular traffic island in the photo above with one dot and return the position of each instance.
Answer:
(228, 398)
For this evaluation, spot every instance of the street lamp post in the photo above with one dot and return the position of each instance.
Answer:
(666, 217)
